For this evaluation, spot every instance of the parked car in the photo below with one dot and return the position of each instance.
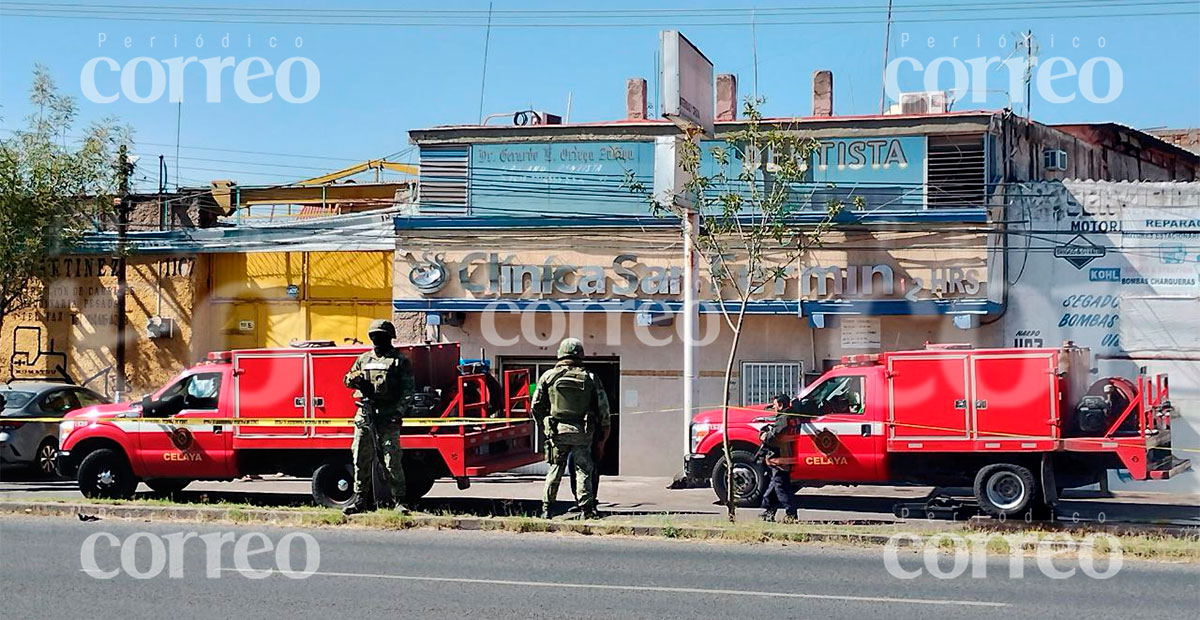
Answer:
(36, 443)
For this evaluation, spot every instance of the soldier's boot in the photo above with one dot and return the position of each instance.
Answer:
(790, 517)
(546, 513)
(401, 508)
(769, 515)
(357, 507)
(590, 512)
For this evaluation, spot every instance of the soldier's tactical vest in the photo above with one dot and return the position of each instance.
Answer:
(377, 368)
(570, 395)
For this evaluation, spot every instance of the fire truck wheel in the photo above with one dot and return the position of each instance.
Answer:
(1005, 489)
(749, 479)
(105, 473)
(333, 485)
(418, 481)
(167, 486)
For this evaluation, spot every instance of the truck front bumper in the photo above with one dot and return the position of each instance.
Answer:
(697, 468)
(65, 465)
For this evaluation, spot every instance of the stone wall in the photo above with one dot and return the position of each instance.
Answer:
(72, 332)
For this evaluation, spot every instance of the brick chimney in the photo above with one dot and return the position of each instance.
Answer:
(635, 99)
(727, 101)
(822, 92)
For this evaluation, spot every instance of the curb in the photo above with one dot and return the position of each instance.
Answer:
(294, 517)
(238, 515)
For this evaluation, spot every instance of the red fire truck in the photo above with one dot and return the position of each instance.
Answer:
(201, 424)
(1015, 425)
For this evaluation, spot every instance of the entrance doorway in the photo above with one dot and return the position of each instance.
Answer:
(608, 372)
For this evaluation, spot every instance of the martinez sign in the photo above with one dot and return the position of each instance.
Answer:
(487, 274)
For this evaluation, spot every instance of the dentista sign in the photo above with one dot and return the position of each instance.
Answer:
(147, 80)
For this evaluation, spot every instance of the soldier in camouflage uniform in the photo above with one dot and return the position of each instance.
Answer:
(382, 376)
(568, 403)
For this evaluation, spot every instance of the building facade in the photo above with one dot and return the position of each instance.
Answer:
(521, 236)
(1114, 266)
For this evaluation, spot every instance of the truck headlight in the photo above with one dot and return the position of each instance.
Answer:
(64, 428)
(699, 432)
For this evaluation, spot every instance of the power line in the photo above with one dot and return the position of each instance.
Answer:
(1080, 9)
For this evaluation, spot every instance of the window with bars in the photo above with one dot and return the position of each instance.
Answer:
(763, 380)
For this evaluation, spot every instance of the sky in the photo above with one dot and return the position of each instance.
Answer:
(385, 68)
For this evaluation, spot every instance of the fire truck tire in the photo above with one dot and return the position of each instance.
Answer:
(1005, 489)
(167, 486)
(105, 473)
(749, 479)
(333, 485)
(418, 481)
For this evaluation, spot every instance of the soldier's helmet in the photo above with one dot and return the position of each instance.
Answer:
(382, 326)
(570, 347)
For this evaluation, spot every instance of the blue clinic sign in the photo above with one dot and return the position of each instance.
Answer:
(587, 178)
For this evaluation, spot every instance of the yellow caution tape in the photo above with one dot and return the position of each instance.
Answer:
(275, 421)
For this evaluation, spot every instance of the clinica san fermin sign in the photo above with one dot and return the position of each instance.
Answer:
(494, 275)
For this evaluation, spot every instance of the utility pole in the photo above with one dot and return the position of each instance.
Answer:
(670, 181)
(162, 179)
(887, 40)
(691, 319)
(124, 168)
(1029, 52)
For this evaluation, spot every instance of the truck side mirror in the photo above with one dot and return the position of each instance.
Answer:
(147, 405)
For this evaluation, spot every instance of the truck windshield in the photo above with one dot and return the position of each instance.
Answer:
(198, 391)
(841, 394)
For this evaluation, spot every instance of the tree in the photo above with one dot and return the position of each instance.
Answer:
(754, 202)
(52, 189)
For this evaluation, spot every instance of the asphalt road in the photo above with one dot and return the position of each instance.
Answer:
(450, 574)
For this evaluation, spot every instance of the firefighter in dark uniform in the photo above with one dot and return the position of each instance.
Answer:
(383, 378)
(570, 403)
(778, 446)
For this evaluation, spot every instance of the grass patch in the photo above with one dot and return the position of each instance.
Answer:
(1145, 545)
(521, 524)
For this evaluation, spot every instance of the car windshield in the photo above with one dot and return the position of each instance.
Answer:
(14, 400)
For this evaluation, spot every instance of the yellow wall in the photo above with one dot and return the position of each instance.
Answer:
(334, 296)
(209, 296)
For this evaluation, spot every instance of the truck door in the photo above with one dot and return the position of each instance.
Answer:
(270, 386)
(844, 442)
(330, 397)
(186, 450)
(928, 398)
(1014, 396)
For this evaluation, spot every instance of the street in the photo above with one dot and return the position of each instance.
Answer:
(422, 573)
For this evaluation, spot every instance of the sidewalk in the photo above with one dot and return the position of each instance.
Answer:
(628, 496)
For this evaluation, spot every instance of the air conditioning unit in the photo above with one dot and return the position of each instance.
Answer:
(160, 327)
(928, 102)
(1054, 159)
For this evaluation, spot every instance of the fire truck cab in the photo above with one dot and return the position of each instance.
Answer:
(1015, 425)
(201, 424)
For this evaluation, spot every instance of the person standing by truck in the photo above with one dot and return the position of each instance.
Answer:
(383, 381)
(775, 449)
(569, 403)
